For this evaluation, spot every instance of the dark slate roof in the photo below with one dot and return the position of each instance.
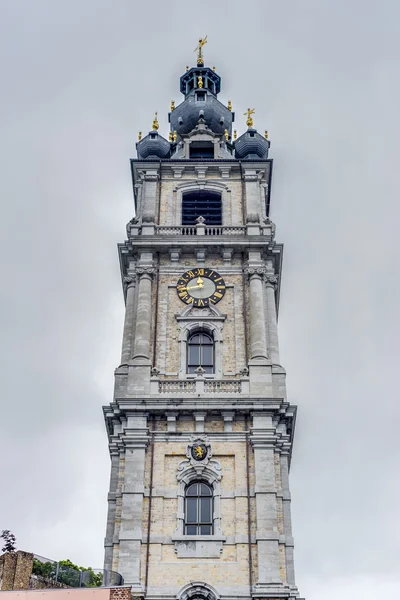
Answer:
(185, 117)
(251, 145)
(153, 146)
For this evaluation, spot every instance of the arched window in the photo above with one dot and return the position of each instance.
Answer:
(202, 203)
(198, 509)
(200, 352)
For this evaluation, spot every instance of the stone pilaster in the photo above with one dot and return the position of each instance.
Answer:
(130, 286)
(149, 201)
(141, 348)
(267, 535)
(271, 282)
(258, 345)
(253, 211)
(109, 539)
(287, 519)
(130, 537)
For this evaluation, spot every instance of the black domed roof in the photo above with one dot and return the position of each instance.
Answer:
(251, 145)
(153, 146)
(201, 104)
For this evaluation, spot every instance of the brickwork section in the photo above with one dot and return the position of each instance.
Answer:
(164, 563)
(120, 593)
(168, 346)
(170, 205)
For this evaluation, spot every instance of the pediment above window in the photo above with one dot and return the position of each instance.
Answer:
(191, 313)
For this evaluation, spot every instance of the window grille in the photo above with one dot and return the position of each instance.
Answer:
(198, 509)
(200, 352)
(202, 204)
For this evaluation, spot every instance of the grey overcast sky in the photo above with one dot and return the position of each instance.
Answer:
(79, 78)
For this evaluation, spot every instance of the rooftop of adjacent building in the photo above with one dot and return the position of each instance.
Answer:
(22, 571)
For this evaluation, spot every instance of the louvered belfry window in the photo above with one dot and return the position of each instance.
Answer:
(204, 204)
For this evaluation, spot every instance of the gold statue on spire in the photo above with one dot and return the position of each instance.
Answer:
(249, 112)
(155, 125)
(199, 49)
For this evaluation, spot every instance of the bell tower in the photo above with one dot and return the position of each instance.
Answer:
(200, 430)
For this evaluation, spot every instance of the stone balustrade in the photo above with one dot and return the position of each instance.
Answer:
(199, 386)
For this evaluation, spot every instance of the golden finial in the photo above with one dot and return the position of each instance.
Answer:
(214, 69)
(226, 134)
(229, 104)
(266, 134)
(172, 107)
(175, 135)
(187, 68)
(234, 134)
(199, 49)
(139, 137)
(170, 136)
(249, 112)
(200, 81)
(155, 125)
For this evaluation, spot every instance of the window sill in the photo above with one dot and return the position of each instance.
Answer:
(198, 546)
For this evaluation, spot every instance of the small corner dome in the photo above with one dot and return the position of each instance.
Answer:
(251, 145)
(153, 146)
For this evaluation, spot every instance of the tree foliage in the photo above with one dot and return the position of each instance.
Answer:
(9, 541)
(68, 573)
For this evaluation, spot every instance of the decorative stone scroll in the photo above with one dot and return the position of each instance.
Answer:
(146, 271)
(271, 281)
(260, 271)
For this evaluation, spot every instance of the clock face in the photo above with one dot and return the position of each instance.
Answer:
(199, 451)
(201, 287)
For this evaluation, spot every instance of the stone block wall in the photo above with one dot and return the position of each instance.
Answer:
(15, 570)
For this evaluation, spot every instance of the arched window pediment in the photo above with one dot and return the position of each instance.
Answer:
(198, 590)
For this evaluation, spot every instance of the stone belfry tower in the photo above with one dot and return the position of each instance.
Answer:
(200, 430)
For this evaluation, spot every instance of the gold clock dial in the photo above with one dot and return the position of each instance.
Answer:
(201, 287)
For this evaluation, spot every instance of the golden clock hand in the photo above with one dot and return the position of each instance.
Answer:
(192, 287)
(199, 280)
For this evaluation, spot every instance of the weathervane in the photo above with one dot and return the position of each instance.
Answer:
(249, 112)
(199, 49)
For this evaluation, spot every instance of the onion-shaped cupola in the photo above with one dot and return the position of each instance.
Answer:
(251, 145)
(200, 86)
(153, 145)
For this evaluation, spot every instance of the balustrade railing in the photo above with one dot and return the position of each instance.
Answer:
(199, 230)
(199, 386)
(222, 386)
(170, 386)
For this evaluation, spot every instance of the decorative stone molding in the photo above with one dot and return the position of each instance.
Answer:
(253, 218)
(129, 281)
(146, 271)
(260, 271)
(150, 176)
(267, 221)
(210, 320)
(132, 227)
(198, 440)
(271, 281)
(209, 471)
(198, 589)
(177, 171)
